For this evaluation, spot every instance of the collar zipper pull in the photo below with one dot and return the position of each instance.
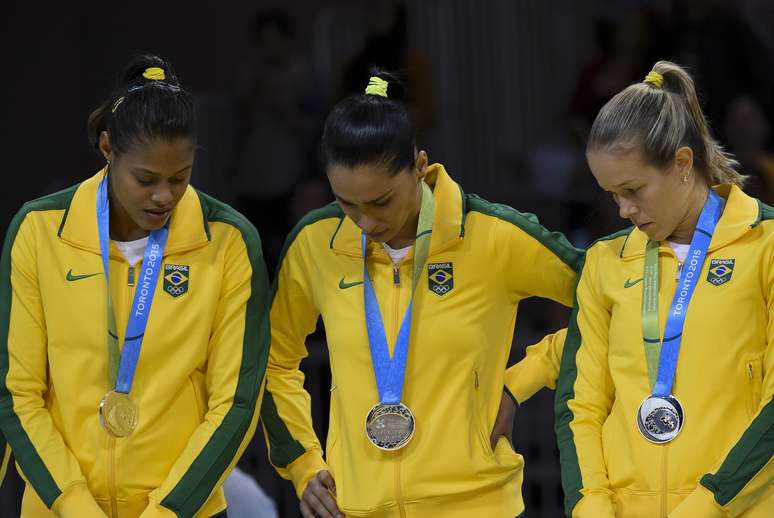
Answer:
(131, 276)
(396, 274)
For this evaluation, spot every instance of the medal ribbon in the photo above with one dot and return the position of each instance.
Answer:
(121, 371)
(389, 372)
(661, 354)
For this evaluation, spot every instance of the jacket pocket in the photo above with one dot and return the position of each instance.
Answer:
(753, 366)
(333, 425)
(478, 415)
(198, 393)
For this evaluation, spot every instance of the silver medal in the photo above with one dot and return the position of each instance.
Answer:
(390, 427)
(660, 419)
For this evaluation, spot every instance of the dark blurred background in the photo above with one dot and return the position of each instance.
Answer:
(503, 93)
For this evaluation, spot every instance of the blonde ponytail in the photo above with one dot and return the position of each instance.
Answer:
(658, 116)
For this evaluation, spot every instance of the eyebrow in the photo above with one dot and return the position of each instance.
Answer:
(146, 171)
(371, 202)
(626, 183)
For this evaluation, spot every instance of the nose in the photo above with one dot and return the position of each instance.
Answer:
(367, 224)
(162, 196)
(626, 209)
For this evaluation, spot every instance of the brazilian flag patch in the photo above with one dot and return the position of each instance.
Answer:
(720, 271)
(176, 278)
(440, 278)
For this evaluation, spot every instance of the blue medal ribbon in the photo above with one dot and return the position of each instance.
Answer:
(143, 295)
(673, 330)
(389, 372)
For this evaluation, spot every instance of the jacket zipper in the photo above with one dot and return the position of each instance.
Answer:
(664, 488)
(395, 326)
(112, 477)
(112, 483)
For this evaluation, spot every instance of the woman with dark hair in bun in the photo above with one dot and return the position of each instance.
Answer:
(418, 285)
(133, 323)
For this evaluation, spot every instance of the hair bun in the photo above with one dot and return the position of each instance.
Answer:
(396, 89)
(148, 67)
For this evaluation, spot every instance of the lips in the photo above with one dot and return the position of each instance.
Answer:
(157, 214)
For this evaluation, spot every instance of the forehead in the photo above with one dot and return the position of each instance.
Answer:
(161, 155)
(363, 182)
(614, 169)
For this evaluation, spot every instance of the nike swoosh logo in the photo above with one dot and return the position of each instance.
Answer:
(344, 285)
(629, 283)
(70, 277)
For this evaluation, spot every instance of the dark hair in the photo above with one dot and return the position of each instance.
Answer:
(371, 129)
(659, 116)
(141, 108)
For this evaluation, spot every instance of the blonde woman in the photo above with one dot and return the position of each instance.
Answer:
(664, 403)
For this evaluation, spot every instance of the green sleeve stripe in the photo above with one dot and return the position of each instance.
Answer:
(563, 416)
(750, 454)
(283, 447)
(195, 487)
(554, 241)
(26, 455)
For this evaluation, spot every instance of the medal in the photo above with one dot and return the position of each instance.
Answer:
(389, 427)
(118, 414)
(390, 424)
(660, 416)
(660, 419)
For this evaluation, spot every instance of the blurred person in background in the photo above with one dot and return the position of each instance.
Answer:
(277, 129)
(749, 137)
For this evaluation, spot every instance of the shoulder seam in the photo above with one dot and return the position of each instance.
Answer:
(330, 211)
(554, 241)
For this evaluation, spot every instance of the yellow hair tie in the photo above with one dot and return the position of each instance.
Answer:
(377, 86)
(655, 79)
(154, 73)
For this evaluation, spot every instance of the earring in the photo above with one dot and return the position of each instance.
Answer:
(685, 179)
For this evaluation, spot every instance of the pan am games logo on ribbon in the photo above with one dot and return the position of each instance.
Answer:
(176, 279)
(440, 278)
(720, 271)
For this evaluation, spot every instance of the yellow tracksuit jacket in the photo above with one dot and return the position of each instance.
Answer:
(461, 336)
(721, 463)
(198, 378)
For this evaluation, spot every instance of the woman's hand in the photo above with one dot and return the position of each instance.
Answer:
(503, 425)
(319, 497)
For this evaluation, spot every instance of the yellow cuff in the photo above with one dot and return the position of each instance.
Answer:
(77, 502)
(304, 468)
(527, 377)
(699, 504)
(595, 505)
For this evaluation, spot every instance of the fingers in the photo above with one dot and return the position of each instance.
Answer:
(327, 481)
(306, 511)
(318, 497)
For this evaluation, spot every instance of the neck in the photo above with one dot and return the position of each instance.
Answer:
(684, 231)
(408, 234)
(122, 227)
